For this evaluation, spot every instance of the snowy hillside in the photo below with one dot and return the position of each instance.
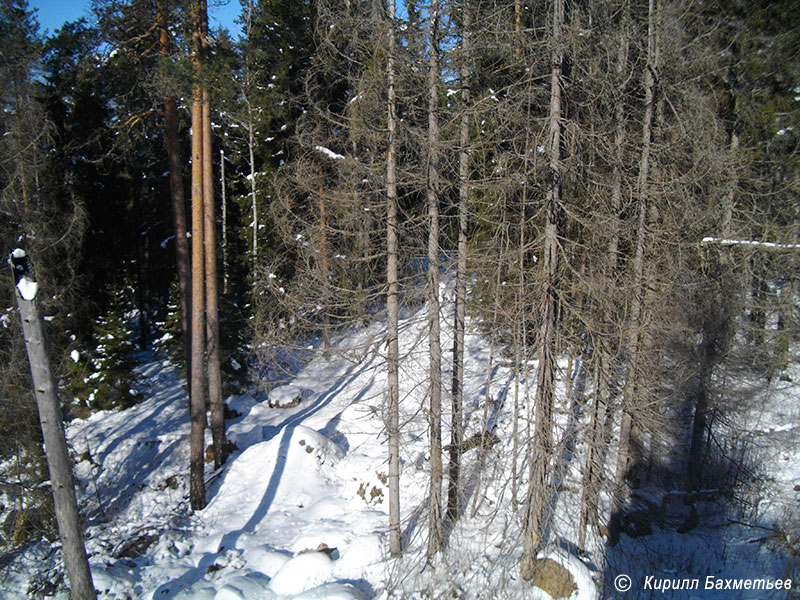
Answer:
(300, 510)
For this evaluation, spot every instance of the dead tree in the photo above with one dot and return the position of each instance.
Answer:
(628, 455)
(392, 309)
(605, 349)
(457, 393)
(545, 377)
(50, 419)
(434, 342)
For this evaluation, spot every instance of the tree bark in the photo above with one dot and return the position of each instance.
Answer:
(434, 343)
(323, 269)
(254, 207)
(591, 472)
(251, 138)
(457, 392)
(392, 310)
(605, 361)
(545, 377)
(706, 359)
(55, 444)
(713, 321)
(627, 459)
(175, 163)
(197, 411)
(224, 223)
(211, 296)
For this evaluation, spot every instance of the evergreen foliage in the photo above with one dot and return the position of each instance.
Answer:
(102, 377)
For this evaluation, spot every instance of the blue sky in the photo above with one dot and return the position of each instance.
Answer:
(54, 13)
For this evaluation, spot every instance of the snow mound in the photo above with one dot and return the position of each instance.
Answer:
(363, 552)
(288, 396)
(302, 573)
(264, 560)
(241, 588)
(288, 470)
(331, 591)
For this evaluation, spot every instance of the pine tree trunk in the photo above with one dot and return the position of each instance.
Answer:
(55, 446)
(627, 456)
(224, 223)
(182, 259)
(392, 309)
(457, 392)
(211, 297)
(197, 416)
(545, 377)
(434, 344)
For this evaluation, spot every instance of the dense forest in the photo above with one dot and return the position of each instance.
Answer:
(608, 191)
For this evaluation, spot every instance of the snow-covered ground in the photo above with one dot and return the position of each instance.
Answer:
(300, 510)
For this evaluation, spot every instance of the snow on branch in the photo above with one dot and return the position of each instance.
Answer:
(758, 243)
(329, 153)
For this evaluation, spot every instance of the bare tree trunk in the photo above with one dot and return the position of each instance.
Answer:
(592, 471)
(545, 378)
(700, 420)
(730, 197)
(619, 158)
(714, 318)
(392, 309)
(457, 392)
(434, 344)
(253, 205)
(786, 321)
(172, 140)
(197, 412)
(224, 222)
(477, 496)
(212, 300)
(251, 140)
(591, 476)
(520, 333)
(626, 455)
(55, 443)
(323, 269)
